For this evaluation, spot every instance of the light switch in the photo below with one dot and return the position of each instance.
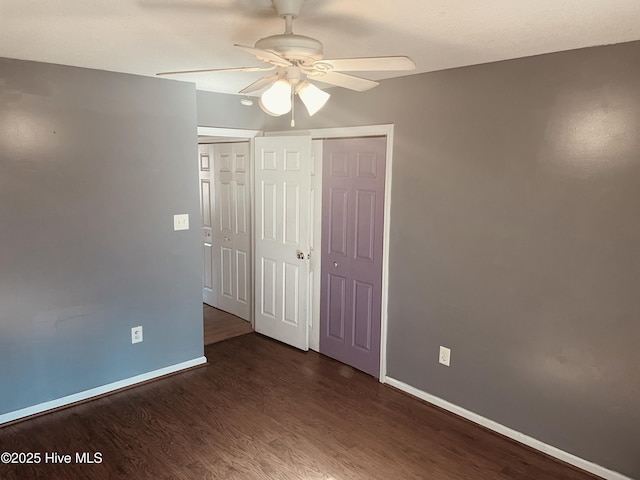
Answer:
(181, 222)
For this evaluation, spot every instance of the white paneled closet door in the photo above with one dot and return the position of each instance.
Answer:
(228, 265)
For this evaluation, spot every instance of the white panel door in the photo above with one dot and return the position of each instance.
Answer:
(207, 206)
(231, 228)
(283, 216)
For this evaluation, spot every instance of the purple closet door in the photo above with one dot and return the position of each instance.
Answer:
(352, 231)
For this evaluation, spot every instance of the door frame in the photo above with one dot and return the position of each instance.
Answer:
(231, 134)
(385, 130)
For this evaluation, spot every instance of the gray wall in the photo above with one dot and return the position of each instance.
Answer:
(221, 110)
(93, 165)
(515, 241)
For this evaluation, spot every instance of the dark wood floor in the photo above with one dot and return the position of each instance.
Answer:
(261, 410)
(219, 325)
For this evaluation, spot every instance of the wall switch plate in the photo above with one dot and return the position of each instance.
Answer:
(445, 356)
(136, 334)
(181, 222)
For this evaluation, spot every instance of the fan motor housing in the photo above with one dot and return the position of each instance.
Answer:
(293, 47)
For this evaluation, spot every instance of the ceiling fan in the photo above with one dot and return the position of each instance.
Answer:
(295, 60)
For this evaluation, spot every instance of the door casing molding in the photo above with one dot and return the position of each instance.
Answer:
(227, 132)
(240, 134)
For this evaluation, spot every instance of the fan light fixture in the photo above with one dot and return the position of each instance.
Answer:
(312, 97)
(278, 99)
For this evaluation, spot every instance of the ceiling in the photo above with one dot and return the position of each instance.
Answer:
(148, 36)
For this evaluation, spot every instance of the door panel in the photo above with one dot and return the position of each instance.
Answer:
(227, 272)
(268, 288)
(363, 314)
(352, 234)
(336, 304)
(242, 281)
(337, 221)
(365, 224)
(225, 203)
(291, 299)
(242, 209)
(282, 184)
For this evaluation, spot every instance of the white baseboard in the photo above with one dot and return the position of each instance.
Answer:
(94, 392)
(508, 432)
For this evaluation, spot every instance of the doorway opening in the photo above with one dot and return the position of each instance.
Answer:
(224, 164)
(312, 314)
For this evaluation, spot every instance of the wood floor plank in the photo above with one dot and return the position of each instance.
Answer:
(220, 325)
(261, 410)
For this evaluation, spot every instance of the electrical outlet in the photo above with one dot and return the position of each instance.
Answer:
(445, 356)
(136, 334)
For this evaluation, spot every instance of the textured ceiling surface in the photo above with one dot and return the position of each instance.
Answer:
(149, 36)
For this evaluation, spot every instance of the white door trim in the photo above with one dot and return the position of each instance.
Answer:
(227, 132)
(363, 131)
(316, 244)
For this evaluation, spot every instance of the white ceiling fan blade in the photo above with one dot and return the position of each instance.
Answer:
(260, 84)
(343, 80)
(208, 70)
(368, 64)
(266, 56)
(249, 8)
